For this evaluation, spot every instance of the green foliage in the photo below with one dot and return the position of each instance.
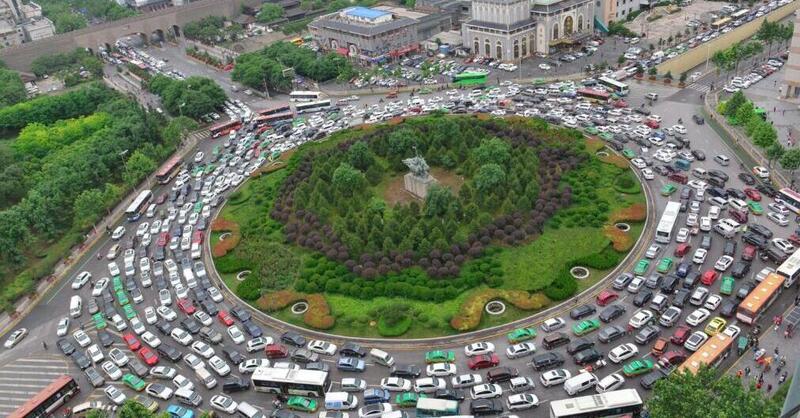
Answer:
(211, 30)
(250, 288)
(489, 177)
(626, 183)
(269, 12)
(791, 159)
(438, 201)
(360, 156)
(618, 28)
(133, 409)
(49, 109)
(12, 90)
(68, 64)
(69, 15)
(137, 168)
(732, 104)
(193, 97)
(38, 140)
(707, 394)
(562, 287)
(347, 180)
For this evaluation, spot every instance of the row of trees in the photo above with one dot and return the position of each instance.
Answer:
(12, 89)
(265, 69)
(772, 32)
(69, 15)
(212, 30)
(193, 97)
(769, 33)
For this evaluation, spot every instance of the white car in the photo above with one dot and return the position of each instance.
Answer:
(95, 353)
(118, 233)
(214, 294)
(732, 331)
(429, 384)
(723, 263)
(180, 381)
(784, 245)
(395, 384)
(164, 297)
(137, 326)
(151, 339)
(700, 256)
(163, 372)
(653, 251)
(544, 67)
(623, 352)
(236, 334)
(159, 391)
(648, 174)
(150, 315)
(611, 382)
(111, 369)
(100, 286)
(166, 313)
(554, 377)
(695, 341)
(113, 268)
(640, 318)
(705, 223)
(486, 391)
(81, 280)
(224, 404)
(322, 347)
(778, 208)
(198, 158)
(761, 172)
(63, 327)
(713, 302)
(714, 212)
(638, 163)
(81, 338)
(250, 365)
(552, 324)
(779, 218)
(521, 401)
(697, 317)
(520, 350)
(466, 380)
(258, 344)
(441, 369)
(636, 284)
(691, 219)
(116, 396)
(193, 361)
(202, 349)
(219, 366)
(476, 349)
(203, 318)
(682, 236)
(118, 357)
(181, 336)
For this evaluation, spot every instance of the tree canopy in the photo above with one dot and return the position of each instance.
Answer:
(269, 12)
(73, 67)
(193, 97)
(69, 15)
(12, 89)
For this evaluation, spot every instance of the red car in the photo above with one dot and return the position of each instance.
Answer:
(131, 340)
(794, 239)
(483, 361)
(163, 239)
(672, 359)
(738, 215)
(186, 306)
(681, 335)
(148, 357)
(225, 318)
(651, 123)
(161, 199)
(605, 297)
(753, 194)
(276, 351)
(709, 277)
(682, 249)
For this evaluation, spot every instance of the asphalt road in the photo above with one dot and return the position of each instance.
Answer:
(28, 367)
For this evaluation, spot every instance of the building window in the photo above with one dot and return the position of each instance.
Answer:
(580, 23)
(568, 26)
(555, 31)
(487, 48)
(530, 45)
(477, 46)
(524, 45)
(499, 50)
(516, 48)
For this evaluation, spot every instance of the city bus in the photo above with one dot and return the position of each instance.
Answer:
(595, 95)
(432, 407)
(667, 222)
(740, 14)
(225, 128)
(48, 400)
(790, 198)
(620, 89)
(760, 299)
(304, 96)
(291, 382)
(470, 78)
(790, 269)
(274, 110)
(169, 169)
(311, 107)
(617, 403)
(266, 120)
(138, 206)
(719, 24)
(710, 354)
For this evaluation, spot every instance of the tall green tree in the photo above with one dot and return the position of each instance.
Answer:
(347, 180)
(269, 12)
(791, 160)
(137, 167)
(489, 178)
(360, 156)
(774, 152)
(12, 90)
(438, 201)
(133, 409)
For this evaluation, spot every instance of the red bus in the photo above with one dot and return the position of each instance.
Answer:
(46, 402)
(169, 169)
(225, 128)
(593, 94)
(274, 110)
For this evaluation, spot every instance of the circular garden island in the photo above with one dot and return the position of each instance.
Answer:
(516, 204)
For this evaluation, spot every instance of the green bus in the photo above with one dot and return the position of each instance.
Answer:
(432, 407)
(469, 78)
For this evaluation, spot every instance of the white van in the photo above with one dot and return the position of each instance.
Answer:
(700, 173)
(75, 306)
(383, 358)
(196, 250)
(188, 275)
(245, 410)
(205, 377)
(723, 160)
(580, 383)
(151, 210)
(339, 401)
(188, 396)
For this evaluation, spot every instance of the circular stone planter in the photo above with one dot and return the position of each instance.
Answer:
(299, 308)
(579, 272)
(495, 307)
(242, 275)
(601, 154)
(622, 226)
(224, 236)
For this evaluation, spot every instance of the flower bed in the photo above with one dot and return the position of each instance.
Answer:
(470, 313)
(220, 248)
(317, 316)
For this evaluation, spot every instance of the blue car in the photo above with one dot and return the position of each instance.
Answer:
(376, 395)
(175, 411)
(351, 364)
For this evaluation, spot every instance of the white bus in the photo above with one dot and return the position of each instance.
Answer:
(291, 382)
(620, 89)
(311, 107)
(618, 403)
(137, 208)
(740, 14)
(304, 96)
(432, 407)
(790, 199)
(667, 222)
(790, 269)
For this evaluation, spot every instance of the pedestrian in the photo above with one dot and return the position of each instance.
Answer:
(783, 377)
(786, 334)
(747, 371)
(758, 385)
(769, 387)
(739, 373)
(777, 350)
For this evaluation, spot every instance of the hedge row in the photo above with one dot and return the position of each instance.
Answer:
(220, 248)
(319, 312)
(470, 312)
(636, 212)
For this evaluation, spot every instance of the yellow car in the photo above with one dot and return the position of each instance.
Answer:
(715, 326)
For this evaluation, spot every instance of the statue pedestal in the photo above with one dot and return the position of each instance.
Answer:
(418, 186)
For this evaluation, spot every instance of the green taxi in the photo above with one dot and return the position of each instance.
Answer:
(637, 367)
(133, 382)
(99, 321)
(128, 311)
(440, 356)
(606, 136)
(116, 283)
(521, 334)
(668, 189)
(586, 326)
(122, 298)
(591, 130)
(407, 399)
(641, 267)
(628, 153)
(726, 288)
(755, 207)
(301, 403)
(664, 265)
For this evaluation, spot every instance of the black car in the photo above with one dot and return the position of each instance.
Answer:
(168, 351)
(610, 333)
(318, 366)
(200, 293)
(449, 394)
(252, 329)
(137, 368)
(95, 379)
(304, 356)
(582, 311)
(210, 307)
(745, 289)
(106, 340)
(293, 338)
(350, 349)
(191, 325)
(669, 283)
(773, 254)
(611, 313)
(406, 371)
(683, 270)
(650, 379)
(705, 242)
(681, 296)
(130, 285)
(752, 238)
(766, 189)
(241, 314)
(761, 230)
(210, 335)
(485, 407)
(235, 384)
(65, 346)
(740, 269)
(729, 248)
(579, 344)
(684, 205)
(717, 192)
(736, 193)
(728, 308)
(647, 334)
(691, 279)
(719, 174)
(234, 356)
(164, 327)
(643, 297)
(747, 178)
(699, 155)
(81, 360)
(589, 355)
(662, 170)
(546, 361)
(698, 119)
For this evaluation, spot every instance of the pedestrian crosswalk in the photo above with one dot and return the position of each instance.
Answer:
(199, 135)
(702, 88)
(25, 377)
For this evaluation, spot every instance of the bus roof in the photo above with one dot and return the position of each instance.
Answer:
(762, 293)
(669, 216)
(169, 165)
(599, 402)
(315, 377)
(708, 353)
(438, 404)
(789, 192)
(143, 195)
(790, 267)
(304, 92)
(594, 92)
(37, 399)
(611, 81)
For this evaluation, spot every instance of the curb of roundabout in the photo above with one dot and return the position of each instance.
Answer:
(448, 340)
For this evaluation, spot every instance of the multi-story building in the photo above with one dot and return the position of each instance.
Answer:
(562, 22)
(792, 77)
(500, 29)
(21, 23)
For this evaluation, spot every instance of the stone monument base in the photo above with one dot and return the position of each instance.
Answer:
(418, 186)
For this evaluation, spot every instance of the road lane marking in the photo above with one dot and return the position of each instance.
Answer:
(16, 392)
(31, 373)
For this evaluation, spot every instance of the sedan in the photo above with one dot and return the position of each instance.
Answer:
(622, 352)
(440, 369)
(466, 380)
(219, 366)
(723, 263)
(322, 347)
(476, 349)
(395, 384)
(236, 334)
(486, 391)
(116, 396)
(520, 350)
(111, 369)
(223, 403)
(697, 317)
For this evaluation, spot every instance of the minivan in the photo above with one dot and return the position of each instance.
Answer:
(580, 383)
(339, 401)
(188, 397)
(381, 357)
(554, 340)
(723, 160)
(75, 306)
(700, 173)
(245, 410)
(205, 377)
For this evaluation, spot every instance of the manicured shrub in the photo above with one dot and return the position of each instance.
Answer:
(250, 288)
(562, 287)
